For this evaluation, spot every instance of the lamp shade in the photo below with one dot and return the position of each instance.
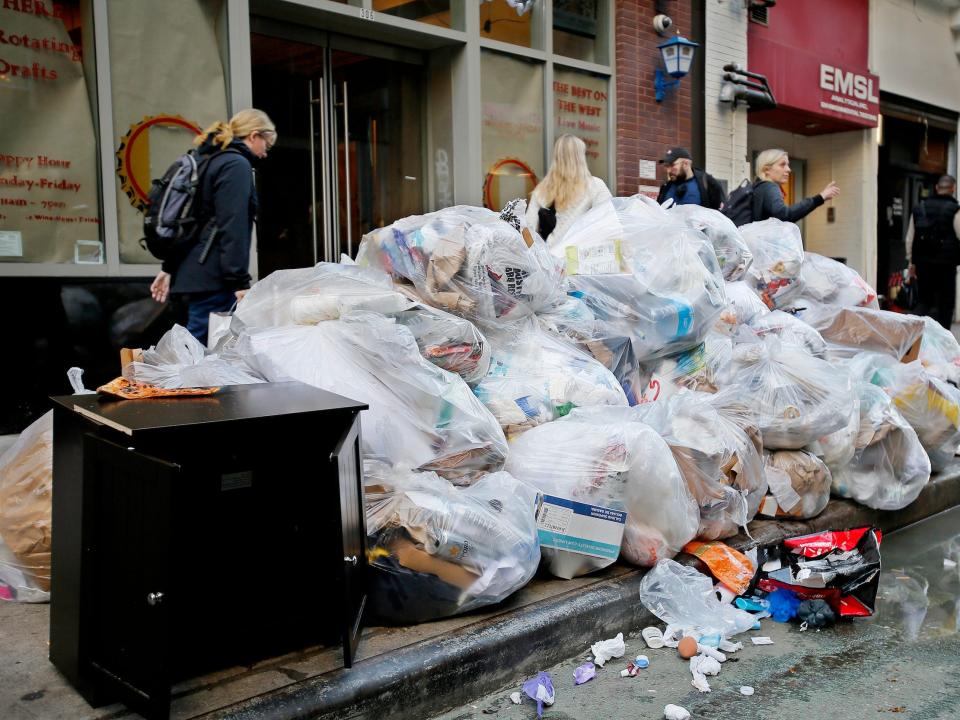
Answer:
(678, 55)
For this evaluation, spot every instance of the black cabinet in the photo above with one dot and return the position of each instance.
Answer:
(197, 533)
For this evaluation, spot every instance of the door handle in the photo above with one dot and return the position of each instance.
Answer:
(352, 560)
(346, 167)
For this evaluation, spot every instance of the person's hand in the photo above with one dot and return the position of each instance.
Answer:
(160, 287)
(830, 191)
(240, 294)
(911, 271)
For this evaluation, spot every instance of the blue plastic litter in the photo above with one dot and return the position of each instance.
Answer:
(783, 605)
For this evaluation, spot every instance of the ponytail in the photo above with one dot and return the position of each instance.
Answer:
(220, 132)
(243, 124)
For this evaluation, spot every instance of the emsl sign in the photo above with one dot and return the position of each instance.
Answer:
(849, 93)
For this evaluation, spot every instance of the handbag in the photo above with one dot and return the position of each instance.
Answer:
(546, 221)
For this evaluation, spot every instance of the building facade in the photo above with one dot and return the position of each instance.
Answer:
(385, 108)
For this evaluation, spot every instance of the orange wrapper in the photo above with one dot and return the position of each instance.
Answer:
(729, 566)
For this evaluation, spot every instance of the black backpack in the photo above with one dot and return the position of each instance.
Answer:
(739, 205)
(170, 221)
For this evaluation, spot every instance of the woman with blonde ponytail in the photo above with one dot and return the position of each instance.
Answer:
(211, 271)
(567, 191)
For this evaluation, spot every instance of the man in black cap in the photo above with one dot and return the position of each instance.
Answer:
(687, 185)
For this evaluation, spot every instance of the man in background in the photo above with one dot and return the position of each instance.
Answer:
(933, 251)
(687, 185)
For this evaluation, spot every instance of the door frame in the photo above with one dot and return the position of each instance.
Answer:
(328, 117)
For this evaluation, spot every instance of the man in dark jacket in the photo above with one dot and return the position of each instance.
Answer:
(933, 251)
(686, 185)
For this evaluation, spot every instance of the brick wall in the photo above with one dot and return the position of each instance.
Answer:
(645, 128)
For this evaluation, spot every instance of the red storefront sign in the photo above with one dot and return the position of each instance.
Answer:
(817, 70)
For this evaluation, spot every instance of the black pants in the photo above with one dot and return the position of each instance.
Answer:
(937, 290)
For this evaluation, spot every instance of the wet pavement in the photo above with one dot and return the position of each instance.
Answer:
(904, 662)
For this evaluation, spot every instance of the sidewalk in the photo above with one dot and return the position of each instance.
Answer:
(411, 671)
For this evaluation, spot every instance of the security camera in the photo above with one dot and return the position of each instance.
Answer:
(662, 23)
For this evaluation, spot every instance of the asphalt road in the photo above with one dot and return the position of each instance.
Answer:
(902, 663)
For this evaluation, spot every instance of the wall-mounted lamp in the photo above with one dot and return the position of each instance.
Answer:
(741, 85)
(677, 53)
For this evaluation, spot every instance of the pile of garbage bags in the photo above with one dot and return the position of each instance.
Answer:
(657, 376)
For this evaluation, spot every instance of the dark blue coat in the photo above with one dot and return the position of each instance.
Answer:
(227, 202)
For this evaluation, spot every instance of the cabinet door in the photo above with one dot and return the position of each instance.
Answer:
(127, 596)
(348, 466)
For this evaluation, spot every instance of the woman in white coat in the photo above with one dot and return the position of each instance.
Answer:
(569, 190)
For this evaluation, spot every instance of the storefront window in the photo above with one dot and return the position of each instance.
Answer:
(162, 101)
(512, 138)
(519, 25)
(49, 198)
(581, 107)
(579, 29)
(435, 12)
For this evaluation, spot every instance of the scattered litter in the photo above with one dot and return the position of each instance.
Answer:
(730, 647)
(711, 640)
(603, 650)
(746, 690)
(642, 661)
(701, 666)
(687, 647)
(675, 712)
(761, 640)
(712, 653)
(783, 605)
(584, 673)
(516, 698)
(540, 689)
(731, 567)
(815, 614)
(632, 670)
(752, 604)
(653, 637)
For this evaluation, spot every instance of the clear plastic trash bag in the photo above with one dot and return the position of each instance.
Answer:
(790, 330)
(833, 283)
(732, 252)
(836, 449)
(643, 275)
(743, 307)
(178, 360)
(683, 597)
(306, 296)
(450, 342)
(930, 405)
(940, 352)
(437, 550)
(705, 367)
(468, 261)
(535, 377)
(602, 455)
(721, 465)
(889, 467)
(420, 416)
(799, 484)
(852, 330)
(575, 323)
(26, 494)
(797, 398)
(777, 248)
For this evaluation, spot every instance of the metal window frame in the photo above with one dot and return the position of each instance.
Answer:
(467, 108)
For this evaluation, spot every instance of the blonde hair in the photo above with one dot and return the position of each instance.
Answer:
(243, 124)
(568, 177)
(767, 159)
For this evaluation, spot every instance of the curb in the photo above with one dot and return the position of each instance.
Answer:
(438, 674)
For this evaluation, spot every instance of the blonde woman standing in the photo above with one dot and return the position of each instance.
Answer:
(773, 171)
(568, 190)
(211, 272)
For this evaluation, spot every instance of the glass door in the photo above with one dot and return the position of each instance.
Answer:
(349, 155)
